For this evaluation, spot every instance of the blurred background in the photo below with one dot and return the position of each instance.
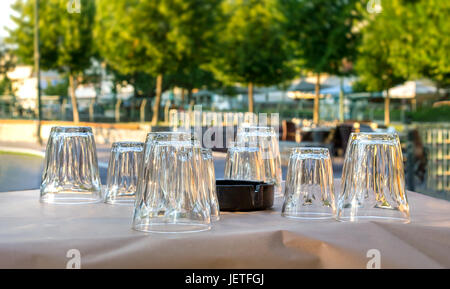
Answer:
(326, 68)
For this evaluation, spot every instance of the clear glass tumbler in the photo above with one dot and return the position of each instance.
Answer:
(210, 183)
(309, 191)
(170, 196)
(373, 182)
(266, 140)
(244, 163)
(71, 173)
(123, 170)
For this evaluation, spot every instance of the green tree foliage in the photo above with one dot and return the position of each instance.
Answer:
(322, 36)
(407, 40)
(142, 83)
(373, 64)
(322, 32)
(154, 36)
(432, 114)
(419, 38)
(61, 89)
(7, 63)
(65, 38)
(200, 25)
(5, 86)
(253, 48)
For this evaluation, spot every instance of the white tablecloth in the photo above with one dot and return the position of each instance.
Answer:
(35, 235)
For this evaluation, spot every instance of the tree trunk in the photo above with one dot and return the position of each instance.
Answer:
(341, 100)
(182, 96)
(37, 71)
(142, 109)
(250, 97)
(386, 108)
(73, 98)
(316, 100)
(189, 96)
(157, 103)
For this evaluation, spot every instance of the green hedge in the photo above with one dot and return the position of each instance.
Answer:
(431, 114)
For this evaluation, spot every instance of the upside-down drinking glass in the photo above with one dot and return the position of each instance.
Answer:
(210, 183)
(123, 169)
(170, 196)
(309, 192)
(373, 182)
(244, 162)
(266, 140)
(71, 173)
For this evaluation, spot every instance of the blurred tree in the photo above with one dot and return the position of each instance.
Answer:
(199, 24)
(154, 36)
(65, 38)
(61, 89)
(359, 86)
(373, 65)
(253, 47)
(7, 63)
(143, 84)
(323, 37)
(407, 40)
(5, 86)
(419, 38)
(190, 77)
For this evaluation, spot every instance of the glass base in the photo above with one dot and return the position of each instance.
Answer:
(278, 195)
(215, 218)
(374, 218)
(121, 202)
(309, 216)
(69, 200)
(171, 228)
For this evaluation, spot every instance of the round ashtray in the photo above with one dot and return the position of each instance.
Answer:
(240, 195)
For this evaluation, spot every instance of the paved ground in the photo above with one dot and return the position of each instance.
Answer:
(21, 172)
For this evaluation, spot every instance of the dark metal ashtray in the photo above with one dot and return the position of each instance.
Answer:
(238, 195)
